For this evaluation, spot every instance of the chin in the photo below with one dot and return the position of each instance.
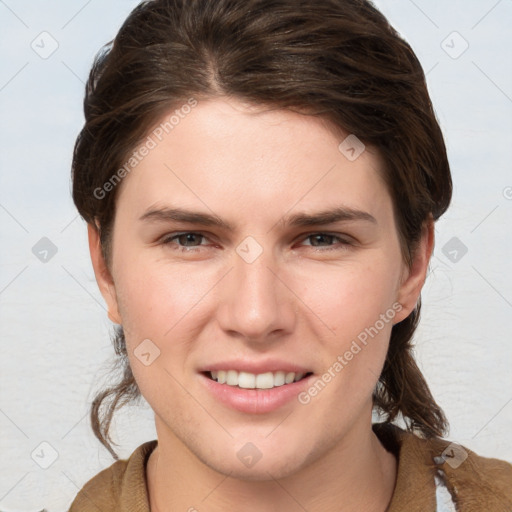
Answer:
(260, 472)
(251, 464)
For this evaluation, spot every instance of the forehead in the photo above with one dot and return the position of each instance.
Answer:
(226, 153)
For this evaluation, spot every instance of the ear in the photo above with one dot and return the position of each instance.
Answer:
(413, 277)
(102, 273)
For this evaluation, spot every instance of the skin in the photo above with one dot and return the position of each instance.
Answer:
(304, 299)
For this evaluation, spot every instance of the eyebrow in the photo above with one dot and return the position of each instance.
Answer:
(328, 216)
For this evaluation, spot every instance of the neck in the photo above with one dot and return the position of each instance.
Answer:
(358, 474)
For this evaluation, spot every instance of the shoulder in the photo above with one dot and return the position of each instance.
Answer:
(102, 491)
(122, 483)
(474, 482)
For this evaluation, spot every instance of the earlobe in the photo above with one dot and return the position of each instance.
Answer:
(414, 278)
(102, 274)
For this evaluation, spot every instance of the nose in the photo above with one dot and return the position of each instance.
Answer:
(255, 304)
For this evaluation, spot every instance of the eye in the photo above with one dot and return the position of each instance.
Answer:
(326, 240)
(191, 241)
(186, 241)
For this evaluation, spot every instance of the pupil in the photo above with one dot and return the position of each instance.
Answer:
(315, 238)
(188, 237)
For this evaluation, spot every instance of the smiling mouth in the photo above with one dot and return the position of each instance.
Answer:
(246, 380)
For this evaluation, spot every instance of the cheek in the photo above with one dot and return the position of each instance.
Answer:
(350, 300)
(157, 303)
(153, 296)
(357, 306)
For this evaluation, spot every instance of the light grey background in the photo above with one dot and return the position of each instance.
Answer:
(54, 329)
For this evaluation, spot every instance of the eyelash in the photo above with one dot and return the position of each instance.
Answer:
(168, 240)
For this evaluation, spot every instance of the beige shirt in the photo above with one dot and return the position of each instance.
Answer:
(470, 483)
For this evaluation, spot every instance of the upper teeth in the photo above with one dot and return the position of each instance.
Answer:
(250, 380)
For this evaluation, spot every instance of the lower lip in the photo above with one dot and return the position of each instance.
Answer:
(254, 401)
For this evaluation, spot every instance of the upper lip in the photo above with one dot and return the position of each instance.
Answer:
(256, 367)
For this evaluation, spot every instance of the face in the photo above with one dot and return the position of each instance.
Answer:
(248, 247)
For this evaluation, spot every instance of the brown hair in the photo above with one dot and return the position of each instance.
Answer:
(336, 59)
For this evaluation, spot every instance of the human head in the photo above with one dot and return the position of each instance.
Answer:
(338, 60)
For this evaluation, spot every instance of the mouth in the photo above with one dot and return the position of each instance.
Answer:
(255, 386)
(246, 380)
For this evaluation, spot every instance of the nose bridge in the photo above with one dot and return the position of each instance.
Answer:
(255, 303)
